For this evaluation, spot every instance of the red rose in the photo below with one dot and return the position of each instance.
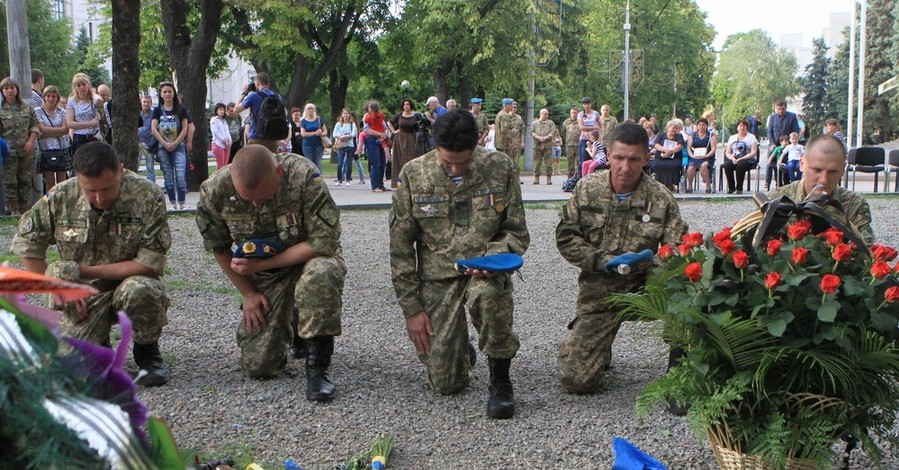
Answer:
(880, 269)
(684, 249)
(833, 236)
(772, 281)
(842, 252)
(892, 294)
(799, 255)
(693, 271)
(693, 239)
(727, 246)
(799, 230)
(741, 259)
(884, 253)
(721, 236)
(665, 251)
(774, 246)
(829, 283)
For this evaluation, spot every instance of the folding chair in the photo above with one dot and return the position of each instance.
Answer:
(893, 160)
(868, 160)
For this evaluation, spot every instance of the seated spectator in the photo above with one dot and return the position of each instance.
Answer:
(598, 159)
(741, 156)
(701, 146)
(793, 153)
(667, 157)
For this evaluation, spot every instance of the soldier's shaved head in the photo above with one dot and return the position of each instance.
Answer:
(253, 165)
(827, 145)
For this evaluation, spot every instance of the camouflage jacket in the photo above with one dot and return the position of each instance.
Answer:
(499, 129)
(595, 227)
(571, 132)
(435, 222)
(514, 131)
(855, 209)
(608, 125)
(544, 128)
(483, 125)
(134, 228)
(301, 211)
(16, 124)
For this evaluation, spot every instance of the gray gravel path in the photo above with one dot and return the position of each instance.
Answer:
(211, 406)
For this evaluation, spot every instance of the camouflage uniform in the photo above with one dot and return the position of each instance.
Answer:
(18, 169)
(135, 228)
(607, 126)
(499, 130)
(571, 135)
(483, 125)
(855, 209)
(435, 222)
(514, 132)
(301, 211)
(594, 228)
(543, 151)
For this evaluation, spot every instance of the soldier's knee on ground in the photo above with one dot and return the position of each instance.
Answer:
(579, 384)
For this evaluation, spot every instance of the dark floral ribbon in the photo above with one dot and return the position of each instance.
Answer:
(777, 212)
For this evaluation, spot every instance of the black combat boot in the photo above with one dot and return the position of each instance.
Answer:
(299, 345)
(149, 360)
(472, 355)
(501, 404)
(318, 385)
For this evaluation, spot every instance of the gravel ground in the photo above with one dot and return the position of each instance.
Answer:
(210, 406)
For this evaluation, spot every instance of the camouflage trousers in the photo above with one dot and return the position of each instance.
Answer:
(316, 287)
(489, 303)
(571, 155)
(18, 173)
(515, 154)
(543, 156)
(586, 350)
(142, 298)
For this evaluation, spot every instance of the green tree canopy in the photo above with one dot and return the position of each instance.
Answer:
(51, 45)
(815, 84)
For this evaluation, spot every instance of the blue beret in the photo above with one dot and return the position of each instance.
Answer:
(476, 100)
(4, 151)
(508, 101)
(501, 263)
(257, 248)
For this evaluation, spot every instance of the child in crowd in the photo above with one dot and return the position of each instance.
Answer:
(776, 164)
(557, 155)
(597, 155)
(794, 152)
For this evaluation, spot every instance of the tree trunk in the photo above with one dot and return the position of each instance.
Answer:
(190, 59)
(441, 84)
(337, 89)
(125, 75)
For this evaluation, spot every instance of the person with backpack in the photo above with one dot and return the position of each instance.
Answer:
(269, 124)
(312, 128)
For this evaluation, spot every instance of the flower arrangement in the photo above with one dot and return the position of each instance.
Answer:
(788, 340)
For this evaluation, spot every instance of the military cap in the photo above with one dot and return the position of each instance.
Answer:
(500, 263)
(257, 248)
(476, 100)
(507, 101)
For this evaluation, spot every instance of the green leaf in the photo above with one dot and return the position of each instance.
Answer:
(794, 281)
(721, 318)
(716, 297)
(884, 322)
(165, 452)
(777, 327)
(732, 300)
(828, 311)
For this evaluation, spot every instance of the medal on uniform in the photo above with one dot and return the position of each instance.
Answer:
(646, 210)
(645, 218)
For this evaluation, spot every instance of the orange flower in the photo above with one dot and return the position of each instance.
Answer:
(741, 259)
(772, 281)
(829, 283)
(693, 239)
(774, 246)
(799, 255)
(833, 236)
(892, 294)
(880, 269)
(884, 253)
(693, 271)
(799, 230)
(665, 251)
(842, 252)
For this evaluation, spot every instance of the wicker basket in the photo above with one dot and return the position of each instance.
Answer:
(730, 459)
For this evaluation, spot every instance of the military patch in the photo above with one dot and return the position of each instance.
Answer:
(317, 177)
(70, 233)
(329, 215)
(26, 225)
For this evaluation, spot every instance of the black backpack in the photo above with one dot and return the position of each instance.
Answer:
(272, 122)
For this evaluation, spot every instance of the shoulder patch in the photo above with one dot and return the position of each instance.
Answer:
(329, 214)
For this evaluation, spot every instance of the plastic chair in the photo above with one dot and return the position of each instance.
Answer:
(893, 160)
(867, 160)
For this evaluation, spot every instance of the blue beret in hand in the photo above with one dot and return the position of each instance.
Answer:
(632, 261)
(629, 457)
(257, 248)
(501, 263)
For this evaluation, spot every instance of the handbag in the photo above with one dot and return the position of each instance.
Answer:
(54, 159)
(326, 141)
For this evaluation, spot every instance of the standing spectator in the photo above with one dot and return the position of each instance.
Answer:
(235, 128)
(515, 136)
(611, 217)
(253, 101)
(607, 124)
(701, 146)
(544, 131)
(37, 85)
(169, 127)
(668, 159)
(148, 143)
(557, 155)
(296, 131)
(832, 127)
(588, 120)
(794, 153)
(405, 126)
(689, 127)
(82, 116)
(429, 231)
(571, 135)
(490, 141)
(755, 121)
(435, 109)
(501, 124)
(55, 161)
(19, 130)
(105, 112)
(481, 119)
(741, 156)
(377, 130)
(780, 122)
(345, 132)
(221, 137)
(312, 130)
(451, 104)
(803, 130)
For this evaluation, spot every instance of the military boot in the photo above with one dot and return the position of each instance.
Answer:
(149, 360)
(318, 385)
(299, 345)
(536, 179)
(501, 404)
(549, 179)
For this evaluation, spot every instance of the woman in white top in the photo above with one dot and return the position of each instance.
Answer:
(81, 112)
(56, 157)
(741, 156)
(221, 135)
(345, 133)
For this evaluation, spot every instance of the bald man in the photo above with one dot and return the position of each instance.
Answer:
(285, 231)
(105, 113)
(822, 168)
